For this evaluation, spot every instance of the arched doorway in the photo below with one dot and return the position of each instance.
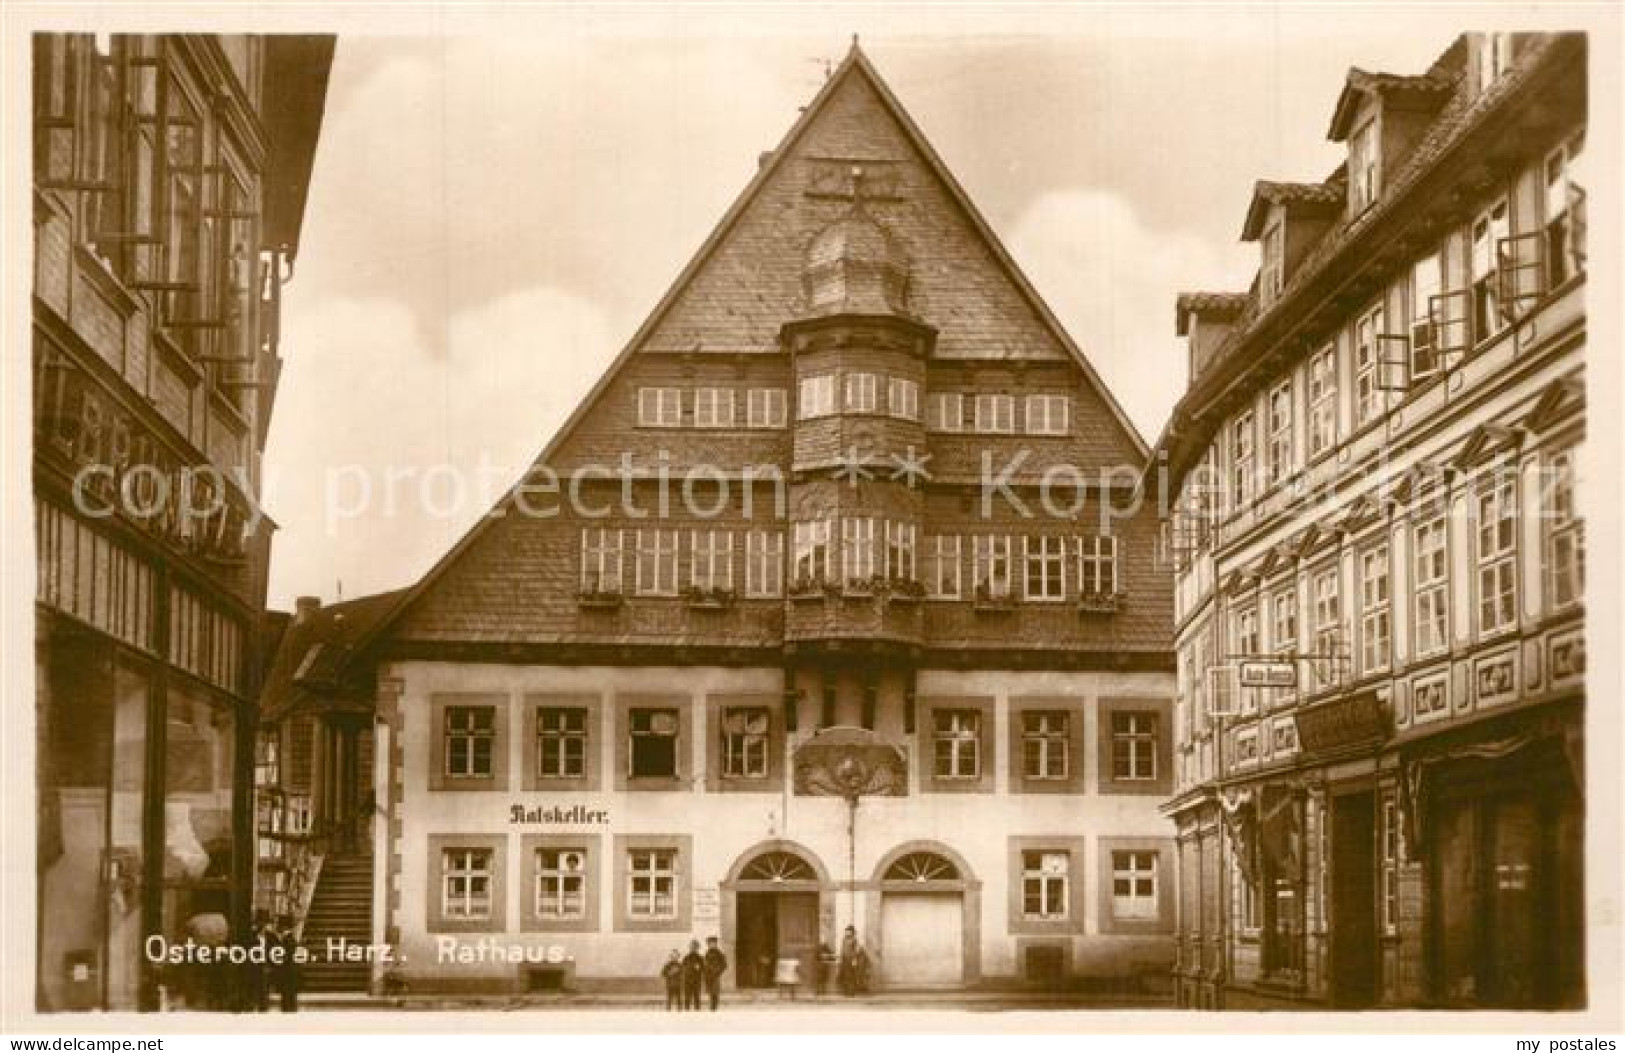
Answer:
(775, 899)
(925, 924)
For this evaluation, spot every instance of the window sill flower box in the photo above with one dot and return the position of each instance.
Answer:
(1100, 602)
(993, 601)
(805, 589)
(599, 599)
(709, 599)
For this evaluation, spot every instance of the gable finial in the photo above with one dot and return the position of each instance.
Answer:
(855, 43)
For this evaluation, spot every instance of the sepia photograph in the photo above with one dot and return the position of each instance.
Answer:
(1078, 515)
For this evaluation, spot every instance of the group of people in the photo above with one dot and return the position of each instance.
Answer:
(687, 974)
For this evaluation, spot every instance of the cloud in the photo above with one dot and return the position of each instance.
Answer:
(386, 446)
(1112, 281)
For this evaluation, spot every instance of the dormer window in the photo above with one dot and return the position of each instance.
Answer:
(1494, 58)
(1365, 168)
(1272, 276)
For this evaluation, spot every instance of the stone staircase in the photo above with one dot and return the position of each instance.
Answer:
(341, 909)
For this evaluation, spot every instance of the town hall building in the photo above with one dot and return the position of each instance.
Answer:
(828, 607)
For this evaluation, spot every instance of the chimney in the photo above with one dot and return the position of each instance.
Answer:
(304, 607)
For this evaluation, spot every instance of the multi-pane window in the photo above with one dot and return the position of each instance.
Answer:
(816, 397)
(1374, 612)
(903, 398)
(711, 559)
(1565, 533)
(1390, 865)
(714, 408)
(1046, 568)
(657, 563)
(948, 411)
(465, 883)
(1427, 281)
(1284, 621)
(1134, 746)
(995, 413)
(765, 408)
(1044, 877)
(1497, 541)
(990, 566)
(744, 742)
(1325, 599)
(561, 742)
(1045, 752)
(1134, 885)
(764, 563)
(1241, 459)
(1367, 392)
(470, 737)
(942, 567)
(561, 883)
(1432, 586)
(600, 560)
(1489, 231)
(1244, 629)
(1565, 207)
(660, 407)
(1278, 452)
(1365, 167)
(862, 392)
(651, 883)
(1323, 400)
(652, 751)
(811, 540)
(1097, 565)
(1048, 414)
(900, 538)
(858, 548)
(957, 741)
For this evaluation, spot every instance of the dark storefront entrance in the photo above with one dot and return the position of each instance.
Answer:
(1506, 839)
(1353, 901)
(774, 926)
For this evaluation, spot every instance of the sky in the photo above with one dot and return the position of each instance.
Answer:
(495, 209)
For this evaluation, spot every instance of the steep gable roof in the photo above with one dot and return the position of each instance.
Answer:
(855, 65)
